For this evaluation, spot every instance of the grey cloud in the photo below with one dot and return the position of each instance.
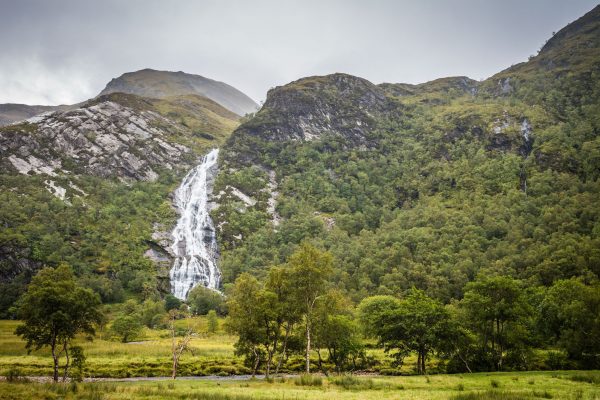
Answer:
(65, 51)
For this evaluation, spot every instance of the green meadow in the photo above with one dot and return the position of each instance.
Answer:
(214, 355)
(505, 386)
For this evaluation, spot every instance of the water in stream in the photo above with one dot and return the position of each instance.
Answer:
(194, 238)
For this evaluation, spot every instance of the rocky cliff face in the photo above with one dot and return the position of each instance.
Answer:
(106, 140)
(306, 109)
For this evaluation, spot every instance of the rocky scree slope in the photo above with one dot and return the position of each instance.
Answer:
(116, 136)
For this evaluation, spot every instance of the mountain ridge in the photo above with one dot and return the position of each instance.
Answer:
(153, 83)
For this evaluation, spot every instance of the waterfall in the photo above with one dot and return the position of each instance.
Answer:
(194, 240)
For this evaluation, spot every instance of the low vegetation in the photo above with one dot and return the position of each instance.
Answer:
(512, 386)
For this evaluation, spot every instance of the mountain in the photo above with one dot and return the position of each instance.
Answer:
(117, 135)
(425, 185)
(11, 112)
(90, 186)
(160, 84)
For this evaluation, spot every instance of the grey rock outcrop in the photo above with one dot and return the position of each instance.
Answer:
(105, 140)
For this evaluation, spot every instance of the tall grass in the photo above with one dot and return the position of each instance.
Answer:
(493, 395)
(308, 380)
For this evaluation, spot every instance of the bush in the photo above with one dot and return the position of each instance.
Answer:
(350, 382)
(556, 360)
(14, 374)
(78, 363)
(172, 302)
(152, 313)
(212, 321)
(202, 300)
(308, 380)
(492, 395)
(127, 327)
(585, 377)
(390, 371)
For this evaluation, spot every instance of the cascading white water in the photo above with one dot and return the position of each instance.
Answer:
(194, 240)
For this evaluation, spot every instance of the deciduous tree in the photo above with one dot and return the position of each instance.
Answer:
(55, 309)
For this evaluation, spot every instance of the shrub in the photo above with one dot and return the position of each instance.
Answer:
(202, 300)
(557, 360)
(172, 302)
(587, 378)
(308, 380)
(390, 371)
(492, 395)
(350, 382)
(14, 374)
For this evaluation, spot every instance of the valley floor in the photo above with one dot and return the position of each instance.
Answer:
(146, 362)
(506, 386)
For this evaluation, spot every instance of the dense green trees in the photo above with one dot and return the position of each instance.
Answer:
(202, 300)
(55, 309)
(264, 315)
(310, 269)
(570, 316)
(485, 203)
(495, 326)
(496, 310)
(417, 324)
(102, 231)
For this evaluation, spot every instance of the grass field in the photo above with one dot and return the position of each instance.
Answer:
(213, 355)
(148, 356)
(505, 386)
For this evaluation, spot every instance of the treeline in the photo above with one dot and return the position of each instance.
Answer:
(500, 323)
(102, 231)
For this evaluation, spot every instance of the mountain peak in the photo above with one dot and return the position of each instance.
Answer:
(588, 25)
(308, 108)
(160, 84)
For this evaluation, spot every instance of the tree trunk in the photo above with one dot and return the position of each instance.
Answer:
(423, 357)
(321, 363)
(173, 348)
(174, 372)
(269, 359)
(463, 359)
(257, 355)
(283, 351)
(66, 350)
(307, 347)
(55, 359)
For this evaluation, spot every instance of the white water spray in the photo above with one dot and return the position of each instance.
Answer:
(194, 240)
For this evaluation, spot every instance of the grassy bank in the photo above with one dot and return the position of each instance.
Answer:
(149, 355)
(506, 386)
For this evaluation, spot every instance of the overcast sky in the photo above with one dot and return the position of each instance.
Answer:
(60, 51)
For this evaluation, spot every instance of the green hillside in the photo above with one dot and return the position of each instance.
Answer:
(428, 185)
